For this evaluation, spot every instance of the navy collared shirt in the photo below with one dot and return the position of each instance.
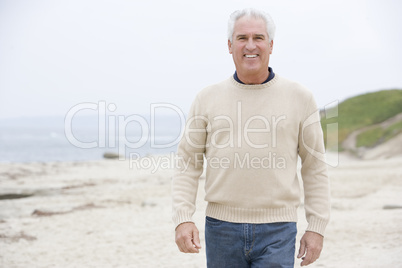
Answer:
(270, 76)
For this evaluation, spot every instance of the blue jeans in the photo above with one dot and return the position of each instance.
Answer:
(249, 245)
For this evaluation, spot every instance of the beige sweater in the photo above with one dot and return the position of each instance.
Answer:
(248, 138)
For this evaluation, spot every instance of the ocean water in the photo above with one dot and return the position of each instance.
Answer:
(86, 138)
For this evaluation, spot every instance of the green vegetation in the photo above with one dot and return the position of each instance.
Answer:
(372, 137)
(393, 130)
(365, 110)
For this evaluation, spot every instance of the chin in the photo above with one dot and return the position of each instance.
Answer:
(252, 70)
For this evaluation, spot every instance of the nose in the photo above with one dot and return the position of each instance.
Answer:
(250, 44)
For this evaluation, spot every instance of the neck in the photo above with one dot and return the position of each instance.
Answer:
(254, 78)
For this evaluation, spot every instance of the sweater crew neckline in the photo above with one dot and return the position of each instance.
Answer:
(255, 86)
(270, 76)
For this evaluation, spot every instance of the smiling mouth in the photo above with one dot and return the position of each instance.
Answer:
(251, 55)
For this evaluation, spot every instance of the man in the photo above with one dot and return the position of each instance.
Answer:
(250, 129)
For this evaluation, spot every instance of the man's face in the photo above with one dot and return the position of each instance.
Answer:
(250, 47)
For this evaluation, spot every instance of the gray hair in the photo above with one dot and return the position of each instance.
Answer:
(253, 13)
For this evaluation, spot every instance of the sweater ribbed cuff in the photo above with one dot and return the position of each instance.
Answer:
(180, 217)
(317, 225)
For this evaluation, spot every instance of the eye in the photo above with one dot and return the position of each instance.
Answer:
(241, 37)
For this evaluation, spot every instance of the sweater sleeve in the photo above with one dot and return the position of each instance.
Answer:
(314, 170)
(189, 167)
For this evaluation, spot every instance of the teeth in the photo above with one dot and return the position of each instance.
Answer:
(250, 56)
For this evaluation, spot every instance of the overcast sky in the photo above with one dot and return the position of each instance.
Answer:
(55, 54)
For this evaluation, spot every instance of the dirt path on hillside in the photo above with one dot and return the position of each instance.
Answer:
(392, 146)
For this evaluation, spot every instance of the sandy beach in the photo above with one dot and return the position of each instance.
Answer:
(110, 214)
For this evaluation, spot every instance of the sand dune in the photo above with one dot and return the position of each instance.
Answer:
(389, 149)
(106, 214)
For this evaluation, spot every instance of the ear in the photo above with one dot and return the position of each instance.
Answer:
(230, 47)
(271, 46)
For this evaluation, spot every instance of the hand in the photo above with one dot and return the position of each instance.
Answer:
(187, 238)
(310, 247)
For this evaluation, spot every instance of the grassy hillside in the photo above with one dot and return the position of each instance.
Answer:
(365, 110)
(378, 135)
